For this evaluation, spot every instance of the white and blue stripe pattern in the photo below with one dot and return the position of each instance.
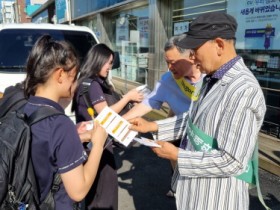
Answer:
(232, 112)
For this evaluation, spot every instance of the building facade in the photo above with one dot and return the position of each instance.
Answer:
(18, 11)
(7, 12)
(138, 30)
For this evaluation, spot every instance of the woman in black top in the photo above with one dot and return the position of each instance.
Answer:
(96, 67)
(52, 69)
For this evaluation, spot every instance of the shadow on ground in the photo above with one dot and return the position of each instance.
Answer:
(270, 185)
(145, 177)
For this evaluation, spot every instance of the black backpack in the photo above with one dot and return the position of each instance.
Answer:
(111, 95)
(18, 185)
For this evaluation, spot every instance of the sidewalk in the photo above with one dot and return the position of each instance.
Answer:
(144, 180)
(269, 154)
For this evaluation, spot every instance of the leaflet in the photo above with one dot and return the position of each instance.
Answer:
(116, 126)
(144, 90)
(147, 142)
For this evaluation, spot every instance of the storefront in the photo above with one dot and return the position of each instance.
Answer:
(257, 41)
(138, 30)
(259, 44)
(132, 29)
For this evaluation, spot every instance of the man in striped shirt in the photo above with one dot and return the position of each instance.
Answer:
(219, 133)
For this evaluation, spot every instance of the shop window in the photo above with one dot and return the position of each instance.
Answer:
(185, 11)
(265, 65)
(257, 41)
(83, 7)
(130, 36)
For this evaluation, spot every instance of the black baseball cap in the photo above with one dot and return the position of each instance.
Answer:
(208, 27)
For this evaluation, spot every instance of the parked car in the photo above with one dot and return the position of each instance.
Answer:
(16, 41)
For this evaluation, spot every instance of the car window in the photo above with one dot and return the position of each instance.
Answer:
(15, 45)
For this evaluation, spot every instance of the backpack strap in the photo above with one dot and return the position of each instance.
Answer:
(56, 183)
(42, 113)
(84, 93)
(48, 202)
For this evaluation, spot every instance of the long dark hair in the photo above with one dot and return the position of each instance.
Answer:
(45, 57)
(95, 59)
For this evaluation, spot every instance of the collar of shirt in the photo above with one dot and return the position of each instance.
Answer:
(195, 83)
(213, 78)
(40, 101)
(224, 68)
(103, 83)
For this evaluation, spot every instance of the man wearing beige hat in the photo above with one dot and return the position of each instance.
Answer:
(215, 160)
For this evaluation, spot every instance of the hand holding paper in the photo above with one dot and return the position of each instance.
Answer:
(167, 150)
(83, 131)
(143, 126)
(147, 142)
(98, 135)
(116, 126)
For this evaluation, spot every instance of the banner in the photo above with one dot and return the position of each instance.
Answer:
(258, 23)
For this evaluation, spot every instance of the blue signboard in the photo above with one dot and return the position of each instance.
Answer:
(258, 23)
(259, 32)
(61, 10)
(27, 2)
(83, 7)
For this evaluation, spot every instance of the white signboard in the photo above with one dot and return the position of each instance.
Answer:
(181, 27)
(143, 27)
(122, 31)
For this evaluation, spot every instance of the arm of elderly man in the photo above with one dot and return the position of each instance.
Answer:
(235, 129)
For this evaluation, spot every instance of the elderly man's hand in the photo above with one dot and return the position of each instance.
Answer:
(143, 126)
(166, 151)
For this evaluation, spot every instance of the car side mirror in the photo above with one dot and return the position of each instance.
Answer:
(116, 63)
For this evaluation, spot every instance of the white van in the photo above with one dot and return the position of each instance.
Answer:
(16, 41)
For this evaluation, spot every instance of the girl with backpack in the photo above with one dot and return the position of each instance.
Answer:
(94, 71)
(52, 69)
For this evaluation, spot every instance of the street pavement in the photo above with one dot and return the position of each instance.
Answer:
(144, 180)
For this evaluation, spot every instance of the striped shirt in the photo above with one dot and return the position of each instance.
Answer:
(232, 112)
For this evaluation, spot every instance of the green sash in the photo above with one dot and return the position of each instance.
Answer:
(202, 142)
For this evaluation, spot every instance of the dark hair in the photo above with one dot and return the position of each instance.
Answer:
(45, 57)
(95, 59)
